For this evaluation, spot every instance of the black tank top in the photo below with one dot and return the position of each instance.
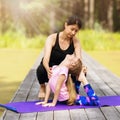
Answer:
(57, 54)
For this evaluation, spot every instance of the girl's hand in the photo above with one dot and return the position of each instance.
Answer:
(49, 105)
(40, 103)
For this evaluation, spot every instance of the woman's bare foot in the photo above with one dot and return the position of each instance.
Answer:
(42, 91)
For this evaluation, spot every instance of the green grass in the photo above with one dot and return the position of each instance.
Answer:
(18, 39)
(14, 66)
(109, 59)
(90, 40)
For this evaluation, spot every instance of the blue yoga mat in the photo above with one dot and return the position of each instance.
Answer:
(29, 106)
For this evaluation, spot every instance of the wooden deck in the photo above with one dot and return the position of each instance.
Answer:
(102, 80)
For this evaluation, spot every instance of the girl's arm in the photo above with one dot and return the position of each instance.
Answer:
(59, 84)
(82, 78)
(46, 96)
(47, 93)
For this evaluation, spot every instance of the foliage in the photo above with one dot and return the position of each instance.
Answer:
(90, 40)
(12, 39)
(99, 40)
(47, 16)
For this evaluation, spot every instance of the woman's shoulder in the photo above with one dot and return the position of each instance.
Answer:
(52, 36)
(51, 39)
(75, 38)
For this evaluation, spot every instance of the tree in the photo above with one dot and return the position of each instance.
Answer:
(86, 13)
(110, 15)
(91, 19)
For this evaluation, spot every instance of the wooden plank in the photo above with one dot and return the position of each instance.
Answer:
(111, 113)
(28, 116)
(94, 114)
(78, 114)
(45, 115)
(61, 115)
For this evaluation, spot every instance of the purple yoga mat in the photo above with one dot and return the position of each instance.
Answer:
(28, 107)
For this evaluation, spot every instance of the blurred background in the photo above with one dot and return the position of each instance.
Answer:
(25, 25)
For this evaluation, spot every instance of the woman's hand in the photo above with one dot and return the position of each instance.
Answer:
(49, 72)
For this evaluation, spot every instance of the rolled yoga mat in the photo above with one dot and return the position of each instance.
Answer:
(30, 106)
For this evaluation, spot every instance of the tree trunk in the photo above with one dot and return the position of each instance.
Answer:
(110, 16)
(52, 21)
(2, 16)
(86, 15)
(91, 18)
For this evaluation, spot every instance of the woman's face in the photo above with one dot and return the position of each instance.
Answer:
(71, 30)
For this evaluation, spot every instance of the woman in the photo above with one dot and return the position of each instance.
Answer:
(57, 46)
(63, 88)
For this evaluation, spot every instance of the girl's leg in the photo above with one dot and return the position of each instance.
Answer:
(77, 84)
(91, 99)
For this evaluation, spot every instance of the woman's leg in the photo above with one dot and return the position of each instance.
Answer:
(42, 78)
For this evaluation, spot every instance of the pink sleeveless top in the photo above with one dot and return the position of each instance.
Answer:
(56, 72)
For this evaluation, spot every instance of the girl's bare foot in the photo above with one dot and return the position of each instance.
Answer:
(42, 91)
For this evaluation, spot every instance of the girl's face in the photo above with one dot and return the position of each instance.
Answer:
(70, 57)
(72, 60)
(71, 30)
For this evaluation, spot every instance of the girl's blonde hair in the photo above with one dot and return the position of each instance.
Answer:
(75, 71)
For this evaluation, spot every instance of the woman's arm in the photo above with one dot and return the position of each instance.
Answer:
(47, 52)
(77, 47)
(78, 51)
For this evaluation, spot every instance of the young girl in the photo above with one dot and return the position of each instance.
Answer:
(63, 88)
